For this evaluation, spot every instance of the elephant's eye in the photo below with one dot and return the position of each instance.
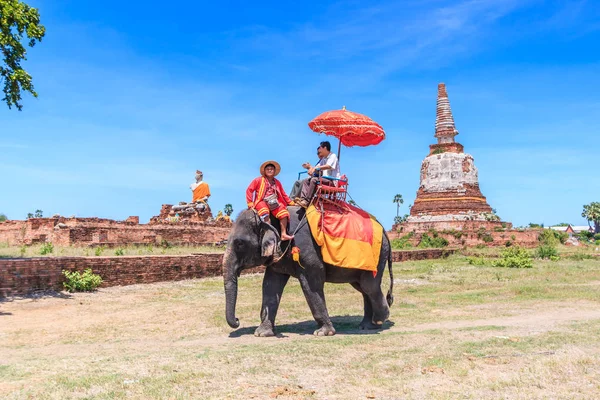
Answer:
(239, 244)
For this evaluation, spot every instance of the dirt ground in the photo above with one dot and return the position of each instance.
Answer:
(454, 333)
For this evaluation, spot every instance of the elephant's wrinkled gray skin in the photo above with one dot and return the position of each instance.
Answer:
(253, 243)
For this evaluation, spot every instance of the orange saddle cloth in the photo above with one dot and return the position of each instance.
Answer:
(349, 237)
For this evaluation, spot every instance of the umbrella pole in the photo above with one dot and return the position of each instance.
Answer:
(339, 149)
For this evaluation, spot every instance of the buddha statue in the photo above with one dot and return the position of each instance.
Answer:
(200, 189)
(200, 194)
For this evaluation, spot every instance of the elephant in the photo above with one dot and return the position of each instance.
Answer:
(253, 242)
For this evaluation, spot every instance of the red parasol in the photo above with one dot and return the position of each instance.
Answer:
(352, 129)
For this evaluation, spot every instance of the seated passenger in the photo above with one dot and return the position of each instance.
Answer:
(297, 188)
(266, 195)
(327, 167)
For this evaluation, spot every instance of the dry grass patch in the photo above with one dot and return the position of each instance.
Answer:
(456, 331)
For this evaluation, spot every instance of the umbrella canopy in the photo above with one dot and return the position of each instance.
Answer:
(352, 129)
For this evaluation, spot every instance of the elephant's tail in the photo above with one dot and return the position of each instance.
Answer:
(390, 296)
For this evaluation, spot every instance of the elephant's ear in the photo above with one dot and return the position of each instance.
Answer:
(270, 240)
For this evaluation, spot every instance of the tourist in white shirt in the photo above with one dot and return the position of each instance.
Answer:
(327, 167)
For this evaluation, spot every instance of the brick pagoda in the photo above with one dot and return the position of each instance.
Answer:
(449, 196)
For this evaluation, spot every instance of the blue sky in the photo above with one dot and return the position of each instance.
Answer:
(135, 96)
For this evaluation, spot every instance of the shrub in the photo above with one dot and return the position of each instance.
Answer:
(498, 229)
(23, 250)
(98, 251)
(453, 232)
(546, 251)
(402, 242)
(81, 282)
(119, 252)
(482, 234)
(433, 241)
(554, 258)
(552, 237)
(514, 257)
(438, 151)
(597, 236)
(585, 236)
(513, 237)
(165, 244)
(480, 246)
(47, 248)
(479, 261)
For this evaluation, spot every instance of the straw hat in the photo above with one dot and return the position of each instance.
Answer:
(275, 163)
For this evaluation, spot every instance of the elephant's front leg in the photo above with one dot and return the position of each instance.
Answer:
(273, 284)
(315, 297)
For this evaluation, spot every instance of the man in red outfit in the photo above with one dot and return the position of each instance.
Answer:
(266, 195)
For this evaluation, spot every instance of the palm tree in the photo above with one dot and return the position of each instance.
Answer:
(591, 212)
(398, 200)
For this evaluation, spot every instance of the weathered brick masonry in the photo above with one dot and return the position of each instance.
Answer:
(63, 231)
(27, 275)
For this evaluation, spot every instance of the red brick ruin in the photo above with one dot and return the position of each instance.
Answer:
(72, 231)
(449, 199)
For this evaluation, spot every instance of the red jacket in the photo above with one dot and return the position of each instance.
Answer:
(259, 186)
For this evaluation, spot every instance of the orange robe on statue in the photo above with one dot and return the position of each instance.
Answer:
(200, 191)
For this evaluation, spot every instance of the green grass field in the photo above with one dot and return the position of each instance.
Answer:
(456, 331)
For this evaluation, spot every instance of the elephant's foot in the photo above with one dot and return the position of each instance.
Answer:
(325, 331)
(264, 330)
(369, 325)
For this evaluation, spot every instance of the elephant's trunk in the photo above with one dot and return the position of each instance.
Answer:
(231, 285)
(230, 300)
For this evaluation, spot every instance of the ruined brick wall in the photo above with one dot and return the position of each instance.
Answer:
(28, 275)
(31, 231)
(476, 235)
(440, 224)
(23, 276)
(98, 231)
(415, 255)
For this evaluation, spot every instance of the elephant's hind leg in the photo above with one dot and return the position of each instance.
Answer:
(367, 321)
(372, 288)
(273, 284)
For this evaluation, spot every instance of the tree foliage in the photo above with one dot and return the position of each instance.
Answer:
(399, 220)
(3, 217)
(38, 213)
(18, 21)
(398, 200)
(591, 212)
(228, 210)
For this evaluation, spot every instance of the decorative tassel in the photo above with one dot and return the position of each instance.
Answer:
(296, 255)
